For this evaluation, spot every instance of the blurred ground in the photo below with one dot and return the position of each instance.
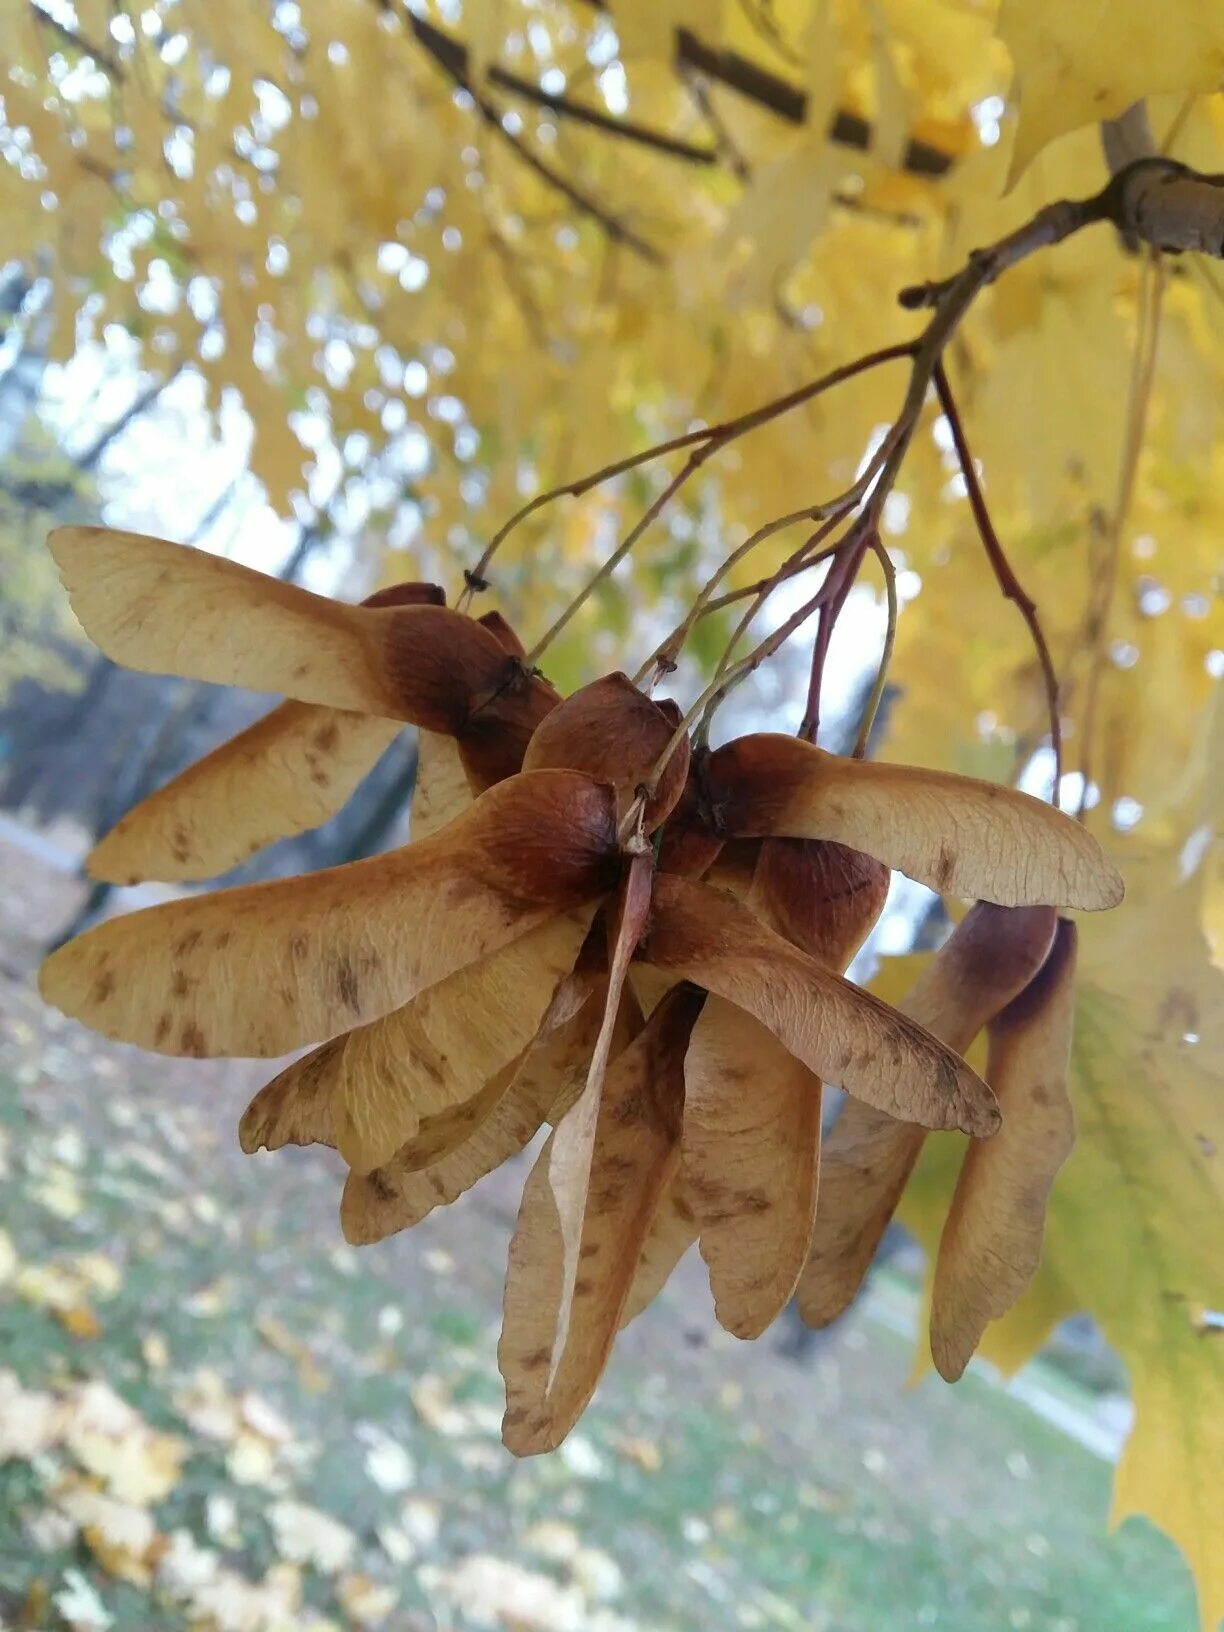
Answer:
(213, 1413)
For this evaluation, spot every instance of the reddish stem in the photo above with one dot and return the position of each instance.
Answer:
(1005, 576)
(836, 588)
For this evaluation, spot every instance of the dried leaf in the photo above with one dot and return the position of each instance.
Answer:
(571, 1148)
(428, 1058)
(957, 835)
(991, 956)
(295, 1108)
(556, 1339)
(448, 1045)
(991, 1242)
(752, 1125)
(440, 1135)
(672, 1232)
(687, 845)
(395, 1196)
(844, 1035)
(289, 772)
(751, 1163)
(238, 973)
(440, 792)
(823, 897)
(122, 1537)
(30, 1421)
(305, 1536)
(170, 609)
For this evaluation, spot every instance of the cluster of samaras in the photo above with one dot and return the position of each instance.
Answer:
(598, 927)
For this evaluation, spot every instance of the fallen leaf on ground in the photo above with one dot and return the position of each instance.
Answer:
(30, 1421)
(367, 1602)
(304, 1535)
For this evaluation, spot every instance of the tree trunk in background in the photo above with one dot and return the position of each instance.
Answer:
(21, 382)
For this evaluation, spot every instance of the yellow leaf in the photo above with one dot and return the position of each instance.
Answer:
(79, 1321)
(1136, 1214)
(1077, 64)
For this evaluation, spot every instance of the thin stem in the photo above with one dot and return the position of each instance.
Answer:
(451, 56)
(1005, 576)
(728, 149)
(837, 587)
(872, 709)
(790, 568)
(664, 655)
(693, 463)
(720, 685)
(718, 436)
(625, 130)
(799, 562)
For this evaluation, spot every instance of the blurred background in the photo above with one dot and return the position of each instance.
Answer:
(213, 1412)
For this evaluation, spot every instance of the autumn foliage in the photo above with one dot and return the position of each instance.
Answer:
(632, 274)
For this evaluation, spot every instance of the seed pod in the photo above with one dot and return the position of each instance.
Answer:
(617, 734)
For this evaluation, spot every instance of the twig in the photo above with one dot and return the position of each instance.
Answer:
(1049, 226)
(722, 684)
(578, 113)
(453, 55)
(655, 509)
(140, 405)
(758, 85)
(104, 58)
(452, 58)
(726, 143)
(872, 707)
(804, 557)
(790, 568)
(828, 514)
(1155, 201)
(837, 587)
(716, 435)
(1005, 576)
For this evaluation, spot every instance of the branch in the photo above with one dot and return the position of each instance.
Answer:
(140, 405)
(747, 78)
(628, 130)
(452, 57)
(727, 148)
(452, 54)
(708, 439)
(780, 97)
(104, 58)
(1154, 201)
